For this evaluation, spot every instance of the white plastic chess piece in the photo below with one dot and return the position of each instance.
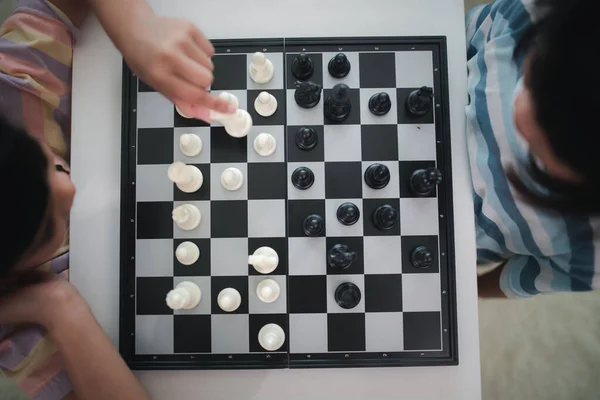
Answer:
(187, 177)
(268, 291)
(190, 144)
(271, 337)
(187, 216)
(265, 104)
(264, 144)
(228, 97)
(187, 253)
(237, 125)
(185, 296)
(264, 260)
(232, 179)
(229, 299)
(261, 68)
(181, 113)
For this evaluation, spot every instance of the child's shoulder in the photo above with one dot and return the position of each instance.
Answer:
(500, 17)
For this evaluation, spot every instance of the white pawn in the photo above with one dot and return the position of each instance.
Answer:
(265, 104)
(268, 291)
(238, 124)
(187, 177)
(264, 260)
(187, 216)
(229, 299)
(190, 144)
(232, 179)
(231, 99)
(185, 296)
(271, 337)
(261, 68)
(187, 253)
(264, 144)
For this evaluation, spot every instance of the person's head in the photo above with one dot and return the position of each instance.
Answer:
(35, 201)
(557, 109)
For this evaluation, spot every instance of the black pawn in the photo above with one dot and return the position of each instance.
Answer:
(380, 103)
(303, 178)
(424, 181)
(377, 176)
(419, 102)
(348, 214)
(306, 138)
(340, 256)
(421, 257)
(302, 66)
(313, 225)
(307, 94)
(347, 295)
(337, 105)
(339, 66)
(385, 217)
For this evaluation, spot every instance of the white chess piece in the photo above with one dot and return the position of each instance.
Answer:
(181, 113)
(190, 144)
(261, 69)
(187, 177)
(238, 124)
(228, 97)
(264, 144)
(187, 216)
(271, 337)
(232, 179)
(185, 296)
(229, 299)
(268, 291)
(187, 253)
(264, 260)
(265, 104)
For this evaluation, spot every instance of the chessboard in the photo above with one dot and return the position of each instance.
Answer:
(322, 236)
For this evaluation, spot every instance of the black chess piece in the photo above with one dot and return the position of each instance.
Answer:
(421, 257)
(347, 295)
(306, 138)
(380, 103)
(418, 102)
(385, 217)
(339, 66)
(303, 178)
(313, 225)
(307, 94)
(340, 256)
(377, 176)
(302, 66)
(424, 181)
(337, 105)
(348, 214)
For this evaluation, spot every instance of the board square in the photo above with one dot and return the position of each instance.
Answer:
(257, 321)
(333, 281)
(406, 169)
(241, 97)
(343, 180)
(298, 210)
(352, 79)
(200, 267)
(317, 76)
(409, 244)
(203, 228)
(420, 216)
(154, 111)
(225, 148)
(316, 191)
(203, 193)
(383, 254)
(218, 192)
(230, 71)
(229, 257)
(384, 332)
(229, 219)
(297, 115)
(278, 118)
(379, 142)
(340, 143)
(354, 116)
(369, 207)
(256, 306)
(155, 146)
(266, 218)
(414, 68)
(307, 256)
(416, 142)
(346, 332)
(295, 154)
(229, 334)
(278, 73)
(239, 283)
(404, 117)
(204, 135)
(267, 180)
(377, 70)
(154, 220)
(279, 244)
(203, 282)
(307, 294)
(154, 257)
(391, 190)
(191, 333)
(308, 333)
(151, 293)
(279, 153)
(153, 334)
(335, 228)
(422, 331)
(368, 118)
(383, 293)
(150, 187)
(421, 292)
(356, 245)
(144, 87)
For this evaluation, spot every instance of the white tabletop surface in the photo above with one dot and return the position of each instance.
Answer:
(96, 147)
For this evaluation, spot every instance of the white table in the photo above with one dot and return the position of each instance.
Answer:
(96, 173)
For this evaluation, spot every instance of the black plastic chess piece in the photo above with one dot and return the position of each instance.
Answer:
(337, 105)
(377, 176)
(424, 181)
(348, 214)
(339, 66)
(418, 103)
(313, 225)
(347, 295)
(421, 257)
(302, 66)
(380, 103)
(306, 138)
(307, 94)
(385, 217)
(303, 178)
(340, 256)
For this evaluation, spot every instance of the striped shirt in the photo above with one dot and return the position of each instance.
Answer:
(540, 251)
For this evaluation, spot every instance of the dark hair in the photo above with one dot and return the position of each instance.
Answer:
(562, 79)
(25, 194)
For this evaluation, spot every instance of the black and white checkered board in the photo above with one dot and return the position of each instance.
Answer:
(406, 315)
